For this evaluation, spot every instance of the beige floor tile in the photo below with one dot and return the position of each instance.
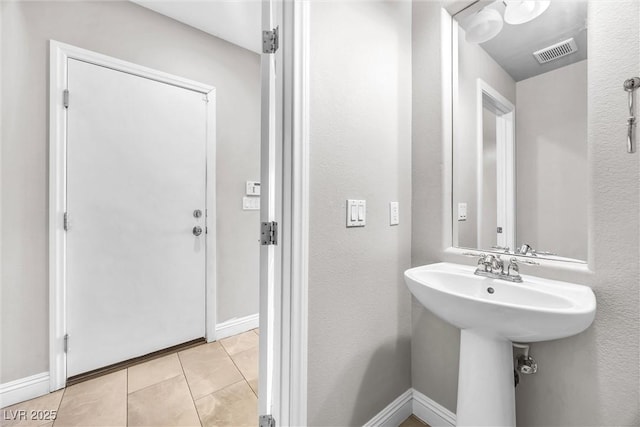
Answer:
(153, 372)
(34, 412)
(98, 402)
(257, 331)
(239, 343)
(235, 405)
(247, 362)
(208, 368)
(167, 403)
(413, 421)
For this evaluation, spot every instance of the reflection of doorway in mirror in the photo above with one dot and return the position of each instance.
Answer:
(496, 168)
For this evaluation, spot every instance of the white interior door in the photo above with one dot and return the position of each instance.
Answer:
(136, 172)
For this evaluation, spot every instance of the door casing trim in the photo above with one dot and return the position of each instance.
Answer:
(59, 53)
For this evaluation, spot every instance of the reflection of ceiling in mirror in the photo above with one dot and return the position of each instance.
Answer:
(513, 47)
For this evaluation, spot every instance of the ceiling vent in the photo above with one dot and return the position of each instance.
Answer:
(556, 51)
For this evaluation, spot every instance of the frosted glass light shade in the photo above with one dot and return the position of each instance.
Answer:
(484, 26)
(520, 11)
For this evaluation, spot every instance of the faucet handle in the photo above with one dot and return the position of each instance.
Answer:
(513, 266)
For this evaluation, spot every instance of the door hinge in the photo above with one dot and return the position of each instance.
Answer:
(266, 421)
(269, 231)
(270, 41)
(65, 221)
(66, 343)
(65, 98)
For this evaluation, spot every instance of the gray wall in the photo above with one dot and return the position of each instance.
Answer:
(473, 63)
(551, 134)
(129, 32)
(359, 307)
(592, 378)
(434, 343)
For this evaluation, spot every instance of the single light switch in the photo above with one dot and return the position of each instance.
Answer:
(356, 213)
(394, 213)
(253, 188)
(462, 211)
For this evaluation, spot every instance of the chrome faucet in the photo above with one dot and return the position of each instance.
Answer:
(526, 249)
(493, 266)
(513, 266)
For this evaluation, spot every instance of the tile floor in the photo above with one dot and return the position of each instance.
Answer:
(413, 421)
(213, 384)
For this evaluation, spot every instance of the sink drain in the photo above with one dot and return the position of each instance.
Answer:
(490, 290)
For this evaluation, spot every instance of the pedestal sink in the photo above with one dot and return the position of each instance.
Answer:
(493, 313)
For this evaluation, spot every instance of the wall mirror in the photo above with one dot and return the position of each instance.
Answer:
(520, 128)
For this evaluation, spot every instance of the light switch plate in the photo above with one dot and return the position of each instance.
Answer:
(356, 213)
(251, 203)
(253, 188)
(462, 211)
(394, 213)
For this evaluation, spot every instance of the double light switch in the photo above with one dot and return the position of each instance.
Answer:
(356, 213)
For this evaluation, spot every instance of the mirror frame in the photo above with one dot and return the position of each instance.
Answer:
(449, 88)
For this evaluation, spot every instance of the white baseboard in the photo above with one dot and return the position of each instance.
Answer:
(416, 403)
(237, 326)
(24, 389)
(395, 413)
(432, 412)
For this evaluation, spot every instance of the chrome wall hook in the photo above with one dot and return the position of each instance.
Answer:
(630, 85)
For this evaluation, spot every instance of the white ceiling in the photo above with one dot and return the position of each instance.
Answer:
(513, 47)
(236, 21)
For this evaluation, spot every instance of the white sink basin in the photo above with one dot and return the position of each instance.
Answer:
(492, 313)
(534, 310)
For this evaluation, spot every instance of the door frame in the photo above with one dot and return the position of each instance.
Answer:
(58, 74)
(505, 162)
(289, 295)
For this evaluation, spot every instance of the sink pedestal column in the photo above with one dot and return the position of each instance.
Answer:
(486, 392)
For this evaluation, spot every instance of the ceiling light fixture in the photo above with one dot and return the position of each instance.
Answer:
(520, 11)
(484, 26)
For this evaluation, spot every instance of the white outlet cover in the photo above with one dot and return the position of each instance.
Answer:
(394, 213)
(462, 211)
(251, 203)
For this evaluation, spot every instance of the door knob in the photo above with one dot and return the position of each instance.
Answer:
(197, 230)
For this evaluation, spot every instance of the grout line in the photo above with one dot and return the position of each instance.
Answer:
(154, 384)
(242, 373)
(64, 391)
(184, 374)
(224, 388)
(241, 333)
